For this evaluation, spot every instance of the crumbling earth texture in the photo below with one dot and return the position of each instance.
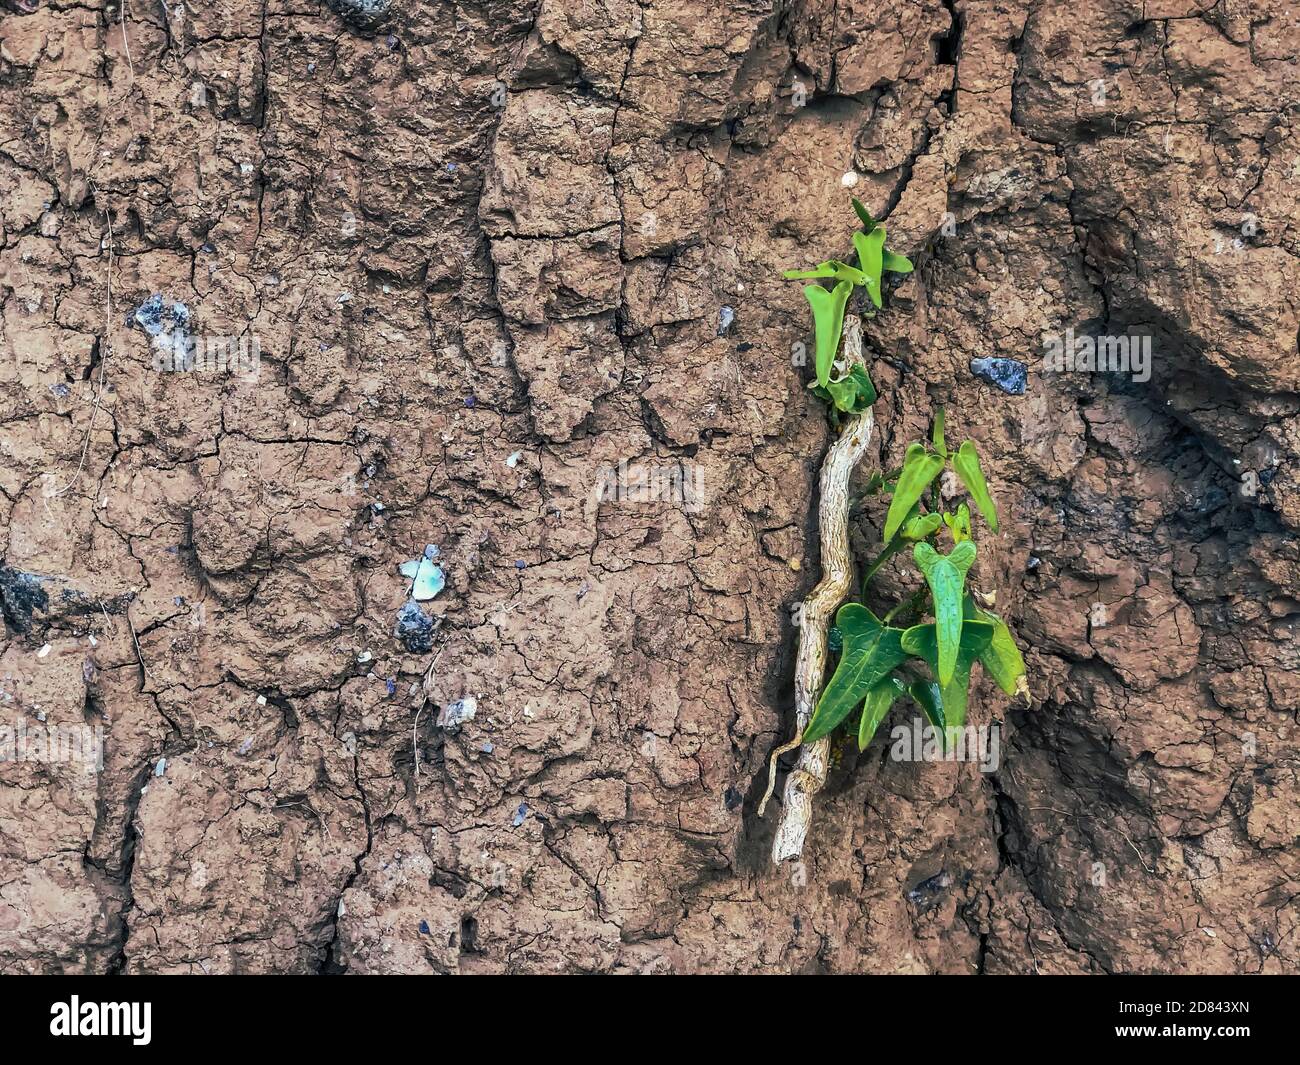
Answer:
(488, 251)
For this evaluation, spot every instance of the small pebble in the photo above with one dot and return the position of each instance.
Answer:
(1007, 374)
(796, 565)
(520, 815)
(456, 714)
(725, 317)
(520, 563)
(469, 401)
(160, 768)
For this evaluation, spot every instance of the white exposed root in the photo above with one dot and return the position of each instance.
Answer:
(809, 774)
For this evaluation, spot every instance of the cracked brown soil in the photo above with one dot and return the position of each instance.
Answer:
(485, 252)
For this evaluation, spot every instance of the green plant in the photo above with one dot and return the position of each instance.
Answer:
(850, 389)
(929, 661)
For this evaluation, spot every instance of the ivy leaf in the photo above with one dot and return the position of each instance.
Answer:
(853, 394)
(830, 268)
(967, 464)
(826, 269)
(877, 705)
(920, 467)
(864, 216)
(870, 248)
(959, 524)
(1002, 658)
(919, 527)
(828, 320)
(922, 641)
(871, 652)
(926, 695)
(946, 576)
(897, 264)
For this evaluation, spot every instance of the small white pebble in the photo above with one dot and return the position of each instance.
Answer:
(513, 460)
(43, 651)
(261, 700)
(849, 179)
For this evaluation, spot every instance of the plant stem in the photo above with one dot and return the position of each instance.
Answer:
(907, 604)
(809, 773)
(895, 546)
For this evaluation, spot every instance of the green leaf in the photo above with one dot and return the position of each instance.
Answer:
(826, 269)
(830, 268)
(897, 264)
(877, 705)
(920, 467)
(870, 249)
(922, 641)
(959, 524)
(871, 652)
(1002, 658)
(828, 320)
(926, 695)
(919, 527)
(967, 464)
(936, 434)
(864, 216)
(853, 394)
(946, 576)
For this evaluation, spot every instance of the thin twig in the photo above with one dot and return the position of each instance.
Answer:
(809, 774)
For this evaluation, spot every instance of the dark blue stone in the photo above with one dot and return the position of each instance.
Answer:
(1006, 374)
(415, 629)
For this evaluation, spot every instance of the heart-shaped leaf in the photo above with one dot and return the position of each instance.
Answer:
(959, 524)
(922, 641)
(871, 652)
(946, 576)
(1002, 658)
(926, 695)
(919, 527)
(841, 271)
(897, 264)
(920, 467)
(870, 248)
(855, 393)
(967, 464)
(876, 706)
(828, 322)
